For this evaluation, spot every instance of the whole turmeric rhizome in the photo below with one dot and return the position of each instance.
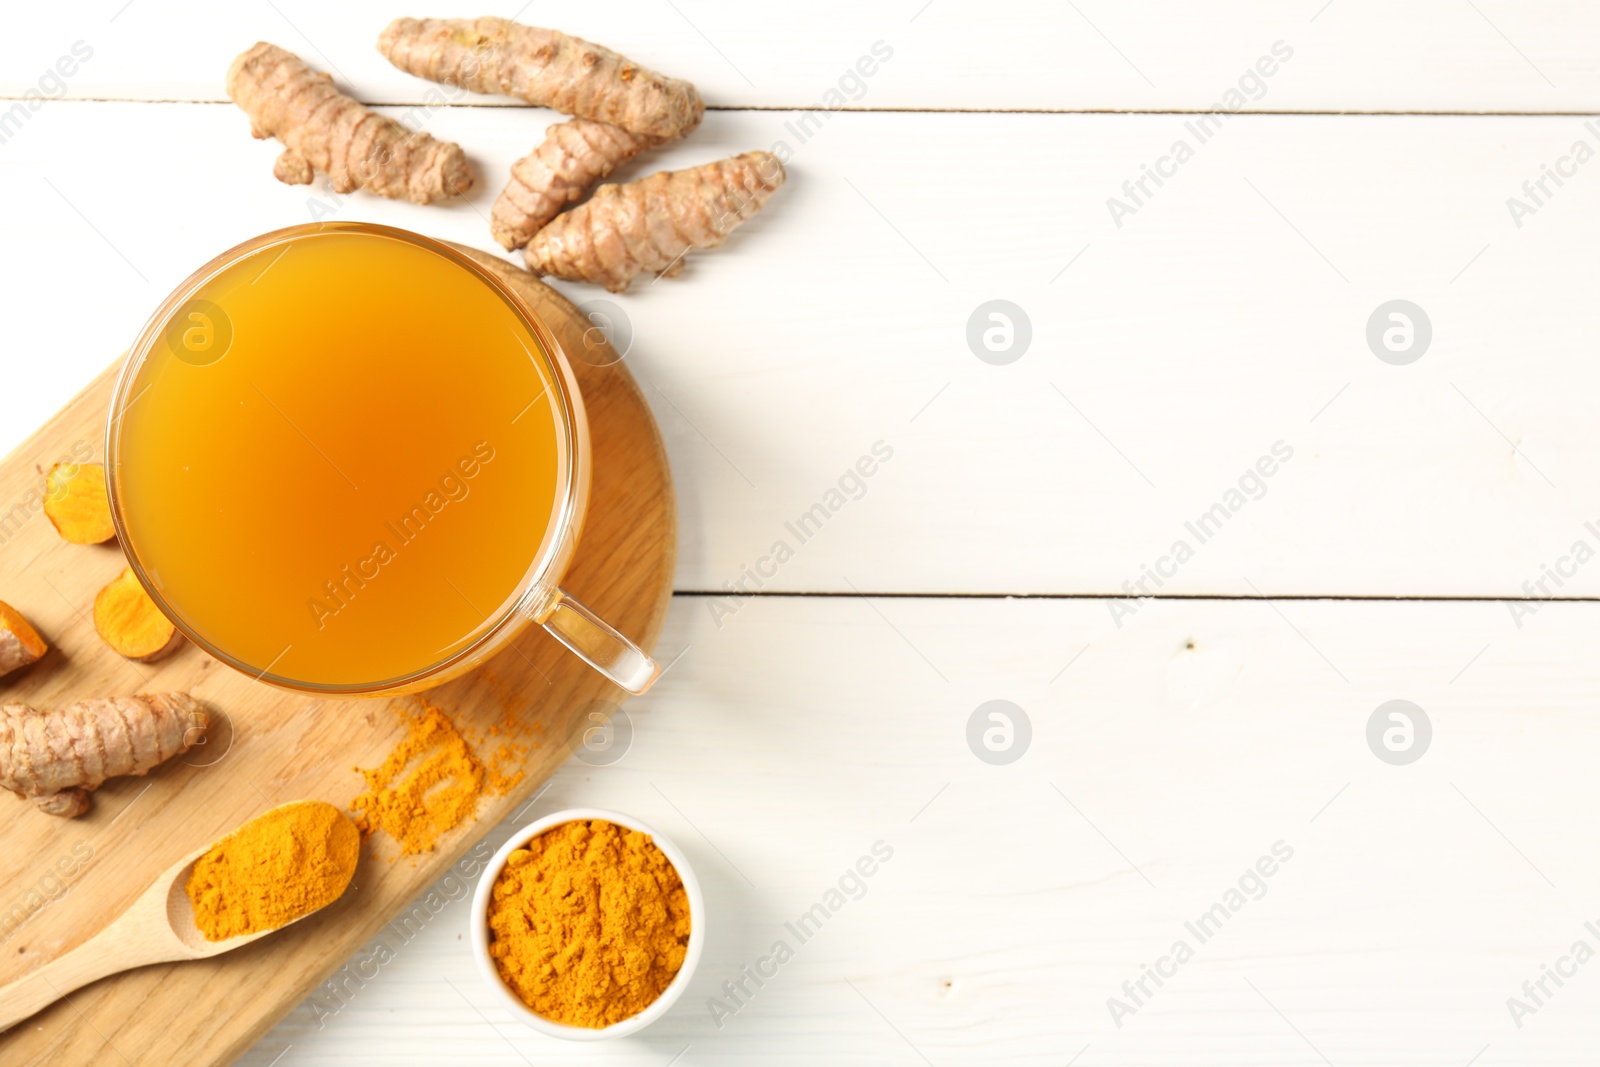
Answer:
(620, 110)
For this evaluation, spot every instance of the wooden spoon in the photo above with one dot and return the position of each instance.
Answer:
(158, 927)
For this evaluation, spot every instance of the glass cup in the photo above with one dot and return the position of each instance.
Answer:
(538, 598)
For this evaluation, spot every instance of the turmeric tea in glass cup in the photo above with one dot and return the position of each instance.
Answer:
(347, 460)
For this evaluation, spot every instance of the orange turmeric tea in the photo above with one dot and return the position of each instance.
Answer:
(341, 458)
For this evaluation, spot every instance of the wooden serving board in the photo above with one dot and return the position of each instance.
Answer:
(62, 880)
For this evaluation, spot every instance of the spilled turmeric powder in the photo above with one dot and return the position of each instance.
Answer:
(441, 791)
(432, 781)
(589, 923)
(274, 869)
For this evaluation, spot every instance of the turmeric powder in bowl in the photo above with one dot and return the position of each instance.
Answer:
(588, 924)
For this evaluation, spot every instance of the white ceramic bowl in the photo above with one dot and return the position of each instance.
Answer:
(513, 1003)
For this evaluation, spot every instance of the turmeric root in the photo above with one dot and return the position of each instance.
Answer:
(651, 224)
(324, 130)
(574, 156)
(20, 643)
(56, 758)
(75, 500)
(546, 68)
(129, 621)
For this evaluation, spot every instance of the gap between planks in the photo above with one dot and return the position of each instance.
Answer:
(496, 105)
(1361, 597)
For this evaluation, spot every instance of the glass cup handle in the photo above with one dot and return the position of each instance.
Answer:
(598, 643)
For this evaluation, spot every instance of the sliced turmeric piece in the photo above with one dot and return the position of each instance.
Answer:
(653, 223)
(75, 500)
(20, 643)
(129, 621)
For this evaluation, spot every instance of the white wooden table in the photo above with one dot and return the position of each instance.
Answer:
(999, 554)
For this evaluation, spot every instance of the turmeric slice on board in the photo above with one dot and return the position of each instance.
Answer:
(129, 621)
(75, 501)
(652, 224)
(20, 643)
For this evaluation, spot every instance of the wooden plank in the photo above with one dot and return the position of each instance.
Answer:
(953, 54)
(65, 879)
(1168, 355)
(783, 745)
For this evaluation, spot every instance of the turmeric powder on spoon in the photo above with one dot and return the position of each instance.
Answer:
(274, 869)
